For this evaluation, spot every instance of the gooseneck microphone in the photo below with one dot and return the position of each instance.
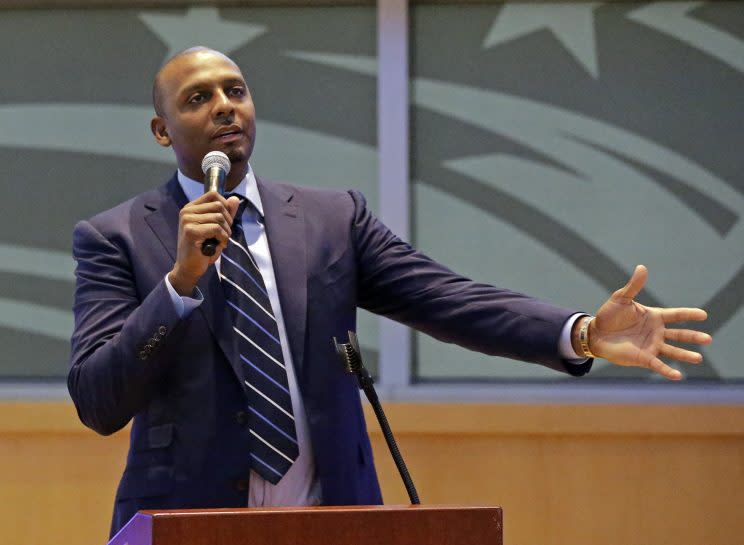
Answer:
(216, 167)
(351, 358)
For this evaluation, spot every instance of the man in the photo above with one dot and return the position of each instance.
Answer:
(170, 338)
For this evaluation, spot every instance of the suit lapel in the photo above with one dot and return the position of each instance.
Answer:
(285, 230)
(164, 222)
(163, 219)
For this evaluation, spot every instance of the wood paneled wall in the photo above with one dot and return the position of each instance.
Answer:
(564, 474)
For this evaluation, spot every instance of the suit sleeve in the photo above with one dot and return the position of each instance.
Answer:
(119, 349)
(403, 284)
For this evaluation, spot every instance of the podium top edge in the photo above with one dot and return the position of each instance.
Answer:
(160, 513)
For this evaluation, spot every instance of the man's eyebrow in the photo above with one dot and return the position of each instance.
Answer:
(204, 85)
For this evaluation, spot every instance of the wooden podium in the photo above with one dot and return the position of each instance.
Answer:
(358, 525)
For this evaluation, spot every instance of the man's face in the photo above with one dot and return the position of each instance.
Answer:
(206, 106)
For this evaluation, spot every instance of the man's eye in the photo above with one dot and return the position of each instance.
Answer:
(197, 98)
(237, 91)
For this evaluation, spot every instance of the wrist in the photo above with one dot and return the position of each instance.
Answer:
(182, 283)
(581, 334)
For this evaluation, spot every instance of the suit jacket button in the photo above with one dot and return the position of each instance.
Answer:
(143, 355)
(241, 417)
(242, 485)
(162, 330)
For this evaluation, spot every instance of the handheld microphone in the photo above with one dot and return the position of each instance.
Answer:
(216, 167)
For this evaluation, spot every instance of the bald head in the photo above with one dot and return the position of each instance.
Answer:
(158, 94)
(203, 104)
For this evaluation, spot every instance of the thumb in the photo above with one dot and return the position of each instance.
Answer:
(233, 203)
(634, 285)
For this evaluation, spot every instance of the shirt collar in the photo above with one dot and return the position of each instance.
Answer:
(247, 188)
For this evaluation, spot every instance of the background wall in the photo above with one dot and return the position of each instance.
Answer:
(566, 142)
(581, 474)
(553, 147)
(75, 113)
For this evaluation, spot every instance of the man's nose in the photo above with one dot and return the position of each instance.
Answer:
(223, 107)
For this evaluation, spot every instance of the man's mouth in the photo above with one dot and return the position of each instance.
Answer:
(228, 134)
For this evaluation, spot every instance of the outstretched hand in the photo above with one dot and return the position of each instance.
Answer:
(625, 332)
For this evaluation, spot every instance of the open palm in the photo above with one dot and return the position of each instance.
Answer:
(626, 332)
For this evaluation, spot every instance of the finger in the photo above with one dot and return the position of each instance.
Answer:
(213, 207)
(671, 315)
(198, 233)
(210, 196)
(233, 203)
(680, 354)
(217, 218)
(207, 219)
(687, 336)
(204, 207)
(658, 366)
(634, 285)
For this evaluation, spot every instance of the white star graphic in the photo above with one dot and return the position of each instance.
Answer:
(200, 26)
(572, 24)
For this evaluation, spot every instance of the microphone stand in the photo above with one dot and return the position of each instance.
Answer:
(351, 358)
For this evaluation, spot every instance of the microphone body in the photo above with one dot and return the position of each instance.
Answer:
(215, 179)
(216, 167)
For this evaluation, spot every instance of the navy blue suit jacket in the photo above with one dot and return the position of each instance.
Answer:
(179, 380)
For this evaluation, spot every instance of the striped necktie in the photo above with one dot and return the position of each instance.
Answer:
(272, 427)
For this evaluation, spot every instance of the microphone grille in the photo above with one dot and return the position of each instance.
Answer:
(218, 159)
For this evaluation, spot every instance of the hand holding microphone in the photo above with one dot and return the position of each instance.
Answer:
(216, 167)
(204, 225)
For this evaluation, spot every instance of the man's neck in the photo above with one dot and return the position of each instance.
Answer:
(237, 173)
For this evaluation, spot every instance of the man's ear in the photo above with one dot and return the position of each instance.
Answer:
(160, 131)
